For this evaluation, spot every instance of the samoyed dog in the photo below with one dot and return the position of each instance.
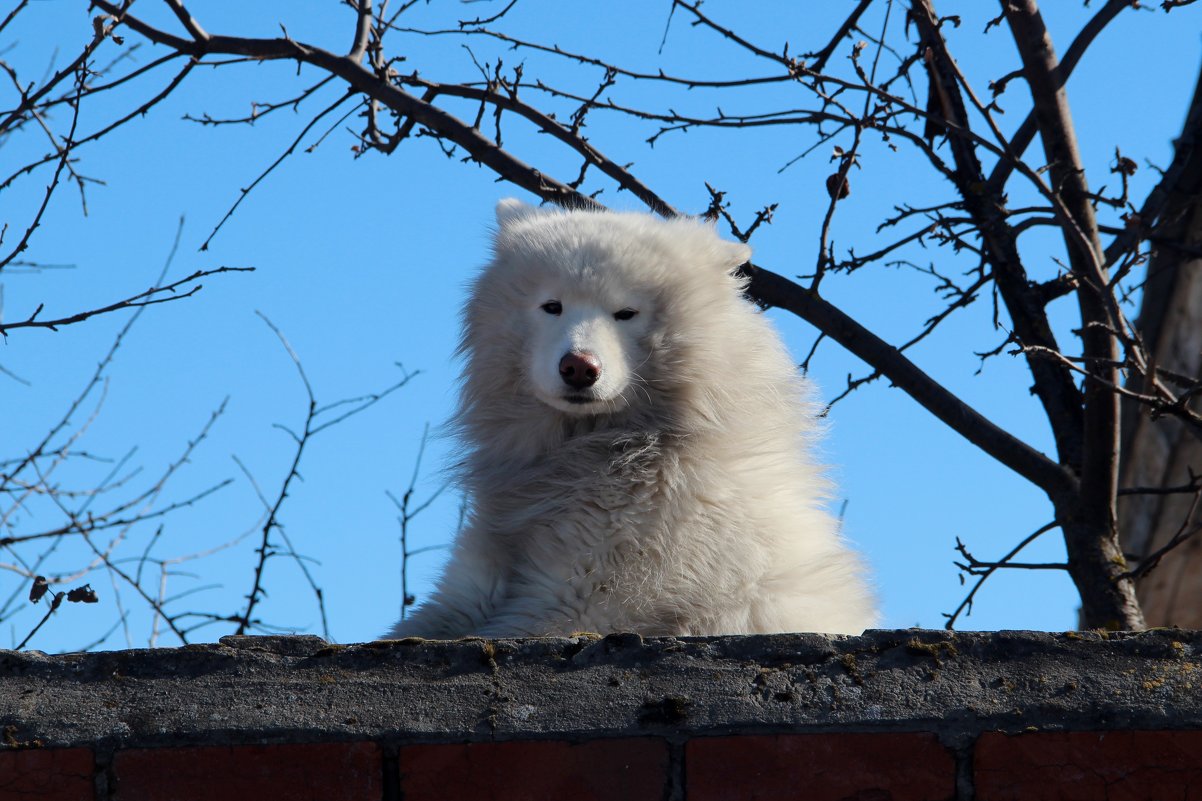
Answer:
(636, 446)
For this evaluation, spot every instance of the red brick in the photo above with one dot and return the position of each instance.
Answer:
(54, 774)
(1117, 765)
(819, 767)
(327, 771)
(632, 769)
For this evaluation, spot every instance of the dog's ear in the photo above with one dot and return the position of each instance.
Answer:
(734, 254)
(511, 209)
(731, 255)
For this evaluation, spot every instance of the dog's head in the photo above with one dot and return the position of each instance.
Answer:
(579, 310)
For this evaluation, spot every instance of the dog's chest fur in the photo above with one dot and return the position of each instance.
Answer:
(595, 537)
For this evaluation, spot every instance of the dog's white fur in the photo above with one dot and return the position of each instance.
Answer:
(673, 496)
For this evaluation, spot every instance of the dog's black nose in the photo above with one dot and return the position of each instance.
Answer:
(579, 370)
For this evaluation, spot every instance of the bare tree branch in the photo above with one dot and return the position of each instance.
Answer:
(142, 299)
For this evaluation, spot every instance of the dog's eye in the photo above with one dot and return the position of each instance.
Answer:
(625, 314)
(552, 307)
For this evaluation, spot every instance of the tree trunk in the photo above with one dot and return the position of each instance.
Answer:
(1096, 565)
(1161, 452)
(1088, 517)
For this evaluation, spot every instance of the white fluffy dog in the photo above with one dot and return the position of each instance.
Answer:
(636, 444)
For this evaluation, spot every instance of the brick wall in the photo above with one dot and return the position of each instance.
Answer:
(889, 715)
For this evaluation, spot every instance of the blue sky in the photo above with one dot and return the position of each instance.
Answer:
(362, 264)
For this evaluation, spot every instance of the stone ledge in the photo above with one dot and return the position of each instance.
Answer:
(261, 690)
